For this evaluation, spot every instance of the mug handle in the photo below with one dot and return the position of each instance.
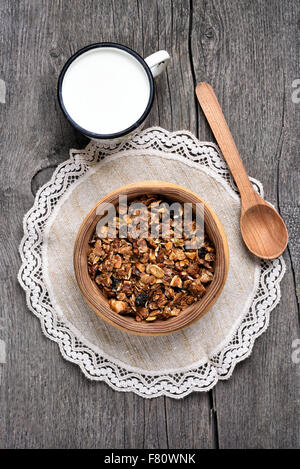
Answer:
(157, 62)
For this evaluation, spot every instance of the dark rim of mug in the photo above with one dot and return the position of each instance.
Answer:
(95, 46)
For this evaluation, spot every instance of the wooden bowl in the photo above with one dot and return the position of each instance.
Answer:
(98, 302)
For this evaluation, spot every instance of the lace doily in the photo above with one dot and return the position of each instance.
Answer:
(96, 365)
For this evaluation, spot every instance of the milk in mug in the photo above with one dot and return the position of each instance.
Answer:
(106, 90)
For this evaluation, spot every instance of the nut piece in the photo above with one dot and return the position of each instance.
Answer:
(145, 278)
(210, 257)
(117, 261)
(176, 282)
(179, 255)
(118, 306)
(206, 276)
(140, 267)
(142, 245)
(156, 271)
(191, 255)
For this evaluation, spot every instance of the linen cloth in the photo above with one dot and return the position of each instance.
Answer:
(174, 365)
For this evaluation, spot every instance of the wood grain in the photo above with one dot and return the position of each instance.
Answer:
(248, 52)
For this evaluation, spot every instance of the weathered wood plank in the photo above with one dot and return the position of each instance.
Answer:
(45, 401)
(246, 50)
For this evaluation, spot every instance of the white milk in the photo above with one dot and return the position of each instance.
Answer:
(105, 90)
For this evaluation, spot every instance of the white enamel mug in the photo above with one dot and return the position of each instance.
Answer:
(106, 90)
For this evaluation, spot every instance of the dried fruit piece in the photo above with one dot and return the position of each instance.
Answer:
(141, 299)
(114, 282)
(201, 253)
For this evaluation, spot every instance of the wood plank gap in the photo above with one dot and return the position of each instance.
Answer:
(294, 283)
(280, 144)
(279, 153)
(124, 420)
(144, 427)
(214, 419)
(166, 423)
(192, 64)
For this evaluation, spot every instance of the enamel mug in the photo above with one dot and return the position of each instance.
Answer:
(106, 90)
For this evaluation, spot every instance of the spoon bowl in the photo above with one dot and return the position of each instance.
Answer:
(263, 231)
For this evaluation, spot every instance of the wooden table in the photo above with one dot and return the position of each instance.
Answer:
(247, 51)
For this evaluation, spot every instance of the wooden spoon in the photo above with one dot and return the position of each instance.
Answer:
(263, 229)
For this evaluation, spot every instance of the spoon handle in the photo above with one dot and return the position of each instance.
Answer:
(215, 117)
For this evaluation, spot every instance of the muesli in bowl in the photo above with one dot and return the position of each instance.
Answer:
(140, 277)
(151, 274)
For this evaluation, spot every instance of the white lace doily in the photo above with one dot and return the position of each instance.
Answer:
(98, 356)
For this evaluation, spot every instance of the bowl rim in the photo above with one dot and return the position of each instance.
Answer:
(119, 321)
